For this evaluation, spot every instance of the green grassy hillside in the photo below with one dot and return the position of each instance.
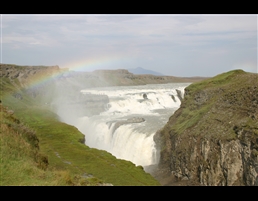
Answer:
(212, 139)
(37, 149)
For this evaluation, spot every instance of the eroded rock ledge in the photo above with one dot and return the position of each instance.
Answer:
(128, 121)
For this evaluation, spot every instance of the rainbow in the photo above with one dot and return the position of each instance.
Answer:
(41, 80)
(86, 66)
(107, 62)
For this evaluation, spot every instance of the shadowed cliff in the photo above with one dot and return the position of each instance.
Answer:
(212, 139)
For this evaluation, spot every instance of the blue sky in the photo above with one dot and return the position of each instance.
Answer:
(178, 45)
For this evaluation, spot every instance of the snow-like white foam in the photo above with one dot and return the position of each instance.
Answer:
(133, 142)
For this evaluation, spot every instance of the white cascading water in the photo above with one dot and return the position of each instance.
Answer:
(131, 141)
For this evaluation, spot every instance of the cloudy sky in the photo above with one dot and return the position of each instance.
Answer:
(179, 45)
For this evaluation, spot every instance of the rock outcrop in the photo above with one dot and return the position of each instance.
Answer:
(179, 95)
(25, 73)
(212, 139)
(119, 123)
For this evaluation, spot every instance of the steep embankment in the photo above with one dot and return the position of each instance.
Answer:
(212, 139)
(39, 149)
(22, 162)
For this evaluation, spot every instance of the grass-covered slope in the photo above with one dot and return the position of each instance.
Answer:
(228, 97)
(37, 149)
(213, 137)
(21, 161)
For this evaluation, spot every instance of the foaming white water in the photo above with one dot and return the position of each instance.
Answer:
(112, 132)
(135, 145)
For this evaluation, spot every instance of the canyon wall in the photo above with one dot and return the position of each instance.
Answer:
(212, 139)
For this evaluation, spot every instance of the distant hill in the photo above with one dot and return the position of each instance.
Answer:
(140, 70)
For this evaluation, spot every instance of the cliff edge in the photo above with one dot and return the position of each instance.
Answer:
(212, 139)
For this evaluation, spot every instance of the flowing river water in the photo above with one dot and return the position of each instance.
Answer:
(131, 118)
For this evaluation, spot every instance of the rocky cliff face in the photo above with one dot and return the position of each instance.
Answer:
(25, 73)
(212, 139)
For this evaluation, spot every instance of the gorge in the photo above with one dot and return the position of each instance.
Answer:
(197, 131)
(127, 125)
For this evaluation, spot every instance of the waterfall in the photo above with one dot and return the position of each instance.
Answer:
(118, 129)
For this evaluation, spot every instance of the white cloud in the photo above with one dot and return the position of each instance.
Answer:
(163, 38)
